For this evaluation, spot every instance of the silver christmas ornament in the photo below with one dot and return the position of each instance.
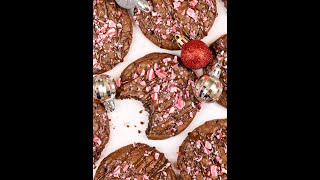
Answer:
(140, 4)
(104, 90)
(209, 88)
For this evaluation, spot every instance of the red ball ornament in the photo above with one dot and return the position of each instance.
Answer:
(195, 54)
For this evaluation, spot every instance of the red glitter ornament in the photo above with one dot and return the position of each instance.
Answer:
(195, 54)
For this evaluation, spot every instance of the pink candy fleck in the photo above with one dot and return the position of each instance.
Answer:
(161, 74)
(150, 74)
(208, 145)
(154, 13)
(190, 82)
(111, 24)
(179, 123)
(135, 75)
(205, 150)
(159, 20)
(142, 72)
(145, 177)
(173, 89)
(193, 3)
(176, 5)
(219, 136)
(156, 88)
(191, 114)
(168, 22)
(156, 156)
(165, 115)
(166, 60)
(188, 169)
(171, 110)
(213, 170)
(164, 36)
(97, 140)
(223, 170)
(191, 13)
(118, 82)
(154, 96)
(111, 32)
(164, 173)
(143, 83)
(125, 168)
(117, 170)
(219, 159)
(148, 88)
(180, 104)
(198, 144)
(183, 12)
(175, 59)
(119, 25)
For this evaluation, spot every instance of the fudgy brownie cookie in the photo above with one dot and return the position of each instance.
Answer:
(100, 130)
(164, 86)
(192, 18)
(133, 162)
(219, 52)
(112, 35)
(203, 154)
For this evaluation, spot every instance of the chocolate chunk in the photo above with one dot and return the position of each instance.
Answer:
(203, 154)
(101, 130)
(112, 35)
(135, 161)
(191, 18)
(164, 86)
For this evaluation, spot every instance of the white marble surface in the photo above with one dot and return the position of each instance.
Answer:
(127, 111)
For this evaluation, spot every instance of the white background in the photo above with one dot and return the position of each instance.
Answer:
(127, 111)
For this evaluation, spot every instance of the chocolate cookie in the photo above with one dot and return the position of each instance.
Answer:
(100, 130)
(219, 52)
(133, 162)
(112, 35)
(225, 3)
(190, 18)
(203, 154)
(164, 86)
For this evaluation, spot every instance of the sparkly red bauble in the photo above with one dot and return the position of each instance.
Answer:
(195, 54)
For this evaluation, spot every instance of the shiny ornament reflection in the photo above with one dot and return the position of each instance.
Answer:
(104, 90)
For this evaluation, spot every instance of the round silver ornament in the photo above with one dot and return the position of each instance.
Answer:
(129, 4)
(104, 90)
(209, 88)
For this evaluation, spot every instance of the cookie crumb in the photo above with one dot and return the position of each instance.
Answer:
(128, 126)
(139, 131)
(141, 122)
(140, 111)
(135, 126)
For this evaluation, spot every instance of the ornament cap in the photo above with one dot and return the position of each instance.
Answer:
(180, 39)
(109, 105)
(143, 5)
(216, 72)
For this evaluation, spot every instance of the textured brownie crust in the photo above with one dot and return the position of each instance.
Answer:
(191, 18)
(100, 130)
(133, 162)
(203, 154)
(112, 35)
(219, 51)
(164, 86)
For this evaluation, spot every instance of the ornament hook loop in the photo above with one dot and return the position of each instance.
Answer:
(180, 39)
